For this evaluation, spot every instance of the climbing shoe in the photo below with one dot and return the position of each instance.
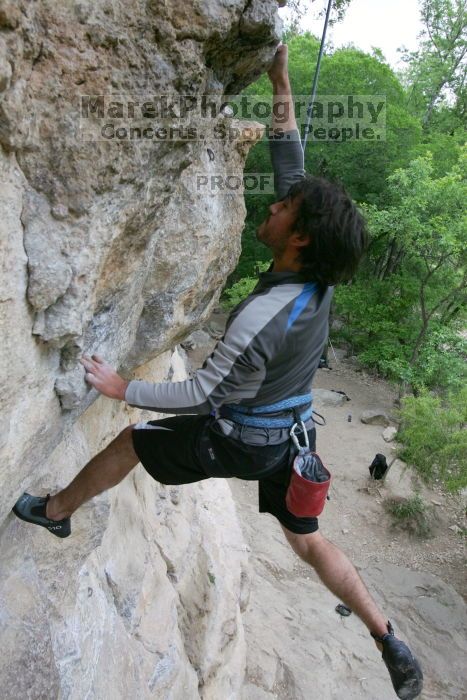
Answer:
(32, 509)
(404, 669)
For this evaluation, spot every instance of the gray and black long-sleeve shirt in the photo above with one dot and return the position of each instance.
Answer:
(273, 339)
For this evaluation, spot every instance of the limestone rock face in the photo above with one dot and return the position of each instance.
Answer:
(108, 245)
(143, 600)
(122, 252)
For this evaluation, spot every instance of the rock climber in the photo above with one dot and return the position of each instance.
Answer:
(269, 353)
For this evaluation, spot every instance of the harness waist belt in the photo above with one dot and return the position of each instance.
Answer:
(254, 415)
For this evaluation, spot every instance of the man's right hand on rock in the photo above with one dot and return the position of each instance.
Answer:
(278, 72)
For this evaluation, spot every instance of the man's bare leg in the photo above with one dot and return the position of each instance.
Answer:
(105, 470)
(340, 576)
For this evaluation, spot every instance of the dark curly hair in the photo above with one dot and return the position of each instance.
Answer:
(337, 231)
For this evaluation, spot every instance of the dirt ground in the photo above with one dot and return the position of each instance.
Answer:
(349, 449)
(299, 648)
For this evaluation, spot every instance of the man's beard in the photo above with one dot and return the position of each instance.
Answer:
(277, 247)
(262, 224)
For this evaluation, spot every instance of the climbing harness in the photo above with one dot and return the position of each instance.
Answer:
(254, 415)
(315, 77)
(309, 481)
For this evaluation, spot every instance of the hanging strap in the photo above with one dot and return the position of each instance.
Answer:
(323, 419)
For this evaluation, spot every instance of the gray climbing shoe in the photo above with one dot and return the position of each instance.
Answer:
(404, 669)
(32, 509)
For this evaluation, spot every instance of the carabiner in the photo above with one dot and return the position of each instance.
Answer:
(294, 437)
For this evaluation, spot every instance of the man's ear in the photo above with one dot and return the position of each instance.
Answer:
(299, 240)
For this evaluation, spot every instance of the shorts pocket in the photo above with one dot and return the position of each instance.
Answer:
(247, 461)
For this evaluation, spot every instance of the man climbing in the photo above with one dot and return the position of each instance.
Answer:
(269, 353)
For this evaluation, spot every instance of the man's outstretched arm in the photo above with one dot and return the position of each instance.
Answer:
(234, 370)
(285, 147)
(283, 118)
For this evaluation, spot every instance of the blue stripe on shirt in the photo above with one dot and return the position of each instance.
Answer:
(301, 302)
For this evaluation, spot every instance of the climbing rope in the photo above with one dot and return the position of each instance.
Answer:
(316, 76)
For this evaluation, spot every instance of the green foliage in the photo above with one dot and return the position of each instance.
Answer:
(299, 8)
(437, 68)
(443, 148)
(232, 296)
(434, 437)
(405, 311)
(362, 165)
(254, 253)
(381, 328)
(411, 514)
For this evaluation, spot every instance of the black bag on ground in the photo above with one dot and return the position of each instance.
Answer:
(378, 467)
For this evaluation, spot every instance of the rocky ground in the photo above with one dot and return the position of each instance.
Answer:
(298, 646)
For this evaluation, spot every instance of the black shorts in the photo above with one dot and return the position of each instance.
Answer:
(185, 449)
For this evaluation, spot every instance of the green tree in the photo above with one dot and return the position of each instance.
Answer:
(405, 311)
(363, 166)
(437, 69)
(444, 147)
(299, 8)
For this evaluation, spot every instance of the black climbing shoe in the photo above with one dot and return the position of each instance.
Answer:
(404, 669)
(32, 510)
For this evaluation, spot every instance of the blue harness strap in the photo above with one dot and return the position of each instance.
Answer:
(248, 415)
